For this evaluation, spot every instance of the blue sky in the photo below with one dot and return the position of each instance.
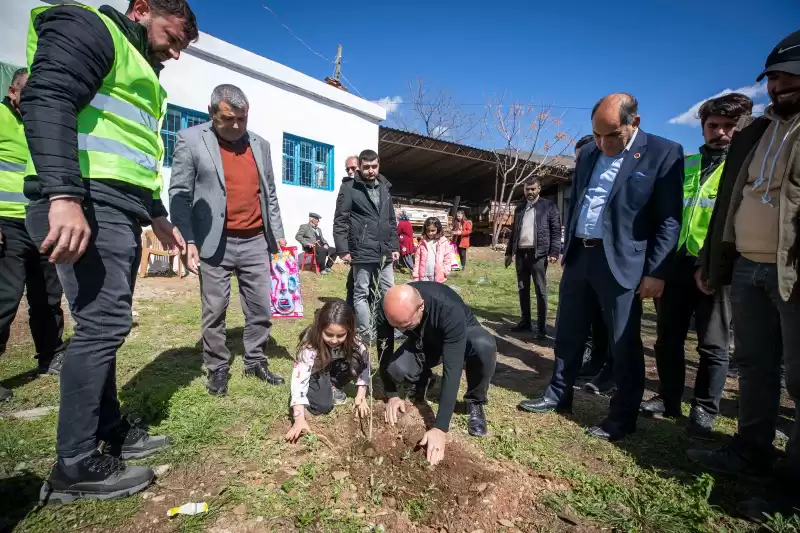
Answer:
(671, 54)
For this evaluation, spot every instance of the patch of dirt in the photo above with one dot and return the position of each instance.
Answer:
(389, 482)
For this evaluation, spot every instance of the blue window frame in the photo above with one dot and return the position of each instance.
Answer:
(307, 163)
(178, 118)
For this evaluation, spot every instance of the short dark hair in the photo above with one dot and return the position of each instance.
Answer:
(17, 75)
(583, 141)
(177, 8)
(533, 180)
(628, 107)
(732, 105)
(367, 155)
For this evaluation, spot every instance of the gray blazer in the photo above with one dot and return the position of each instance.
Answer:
(197, 189)
(307, 236)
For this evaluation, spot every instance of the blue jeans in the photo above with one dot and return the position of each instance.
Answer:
(766, 330)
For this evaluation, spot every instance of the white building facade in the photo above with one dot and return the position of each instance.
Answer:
(311, 126)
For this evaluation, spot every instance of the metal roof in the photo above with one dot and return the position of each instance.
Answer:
(434, 169)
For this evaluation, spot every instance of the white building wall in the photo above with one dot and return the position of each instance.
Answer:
(282, 100)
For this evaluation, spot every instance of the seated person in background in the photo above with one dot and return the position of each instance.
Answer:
(310, 237)
(329, 356)
(441, 330)
(434, 255)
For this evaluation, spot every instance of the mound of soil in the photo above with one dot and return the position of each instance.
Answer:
(465, 493)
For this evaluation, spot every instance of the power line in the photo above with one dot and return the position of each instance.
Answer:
(294, 34)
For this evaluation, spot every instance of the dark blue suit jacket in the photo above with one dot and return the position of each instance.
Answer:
(642, 215)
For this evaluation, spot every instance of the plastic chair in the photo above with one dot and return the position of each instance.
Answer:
(152, 246)
(310, 260)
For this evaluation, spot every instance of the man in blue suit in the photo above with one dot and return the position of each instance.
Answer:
(620, 237)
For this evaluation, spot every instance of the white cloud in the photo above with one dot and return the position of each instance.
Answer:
(759, 108)
(390, 103)
(689, 118)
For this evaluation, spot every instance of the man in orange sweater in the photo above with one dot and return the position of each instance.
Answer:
(222, 194)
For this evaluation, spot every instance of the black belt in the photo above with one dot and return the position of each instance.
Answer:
(590, 243)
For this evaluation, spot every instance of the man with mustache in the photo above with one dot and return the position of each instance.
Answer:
(92, 111)
(682, 299)
(753, 244)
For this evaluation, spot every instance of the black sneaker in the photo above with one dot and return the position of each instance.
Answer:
(52, 366)
(476, 424)
(729, 460)
(260, 371)
(5, 394)
(522, 327)
(656, 406)
(603, 383)
(701, 424)
(218, 382)
(339, 397)
(97, 476)
(540, 334)
(129, 440)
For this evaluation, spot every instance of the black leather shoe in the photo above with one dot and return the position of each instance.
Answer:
(543, 404)
(130, 440)
(541, 334)
(476, 425)
(701, 424)
(731, 461)
(52, 366)
(610, 431)
(5, 394)
(97, 476)
(656, 406)
(522, 327)
(218, 382)
(260, 371)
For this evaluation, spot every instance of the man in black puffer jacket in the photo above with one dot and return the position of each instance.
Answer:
(535, 240)
(365, 235)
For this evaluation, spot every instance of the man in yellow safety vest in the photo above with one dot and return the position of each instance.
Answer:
(682, 299)
(92, 112)
(22, 267)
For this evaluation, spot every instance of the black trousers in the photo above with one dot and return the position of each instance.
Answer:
(408, 364)
(712, 317)
(528, 266)
(462, 254)
(597, 353)
(23, 268)
(99, 288)
(587, 280)
(324, 255)
(320, 387)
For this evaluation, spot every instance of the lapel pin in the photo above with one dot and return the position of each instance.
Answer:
(637, 155)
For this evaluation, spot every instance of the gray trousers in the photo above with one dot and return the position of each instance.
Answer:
(365, 276)
(248, 259)
(767, 329)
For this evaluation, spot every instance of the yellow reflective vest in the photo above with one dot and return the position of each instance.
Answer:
(119, 131)
(698, 204)
(13, 158)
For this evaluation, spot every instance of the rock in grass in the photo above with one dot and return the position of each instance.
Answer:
(162, 470)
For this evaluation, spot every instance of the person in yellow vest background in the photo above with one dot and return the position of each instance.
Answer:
(92, 111)
(21, 265)
(682, 299)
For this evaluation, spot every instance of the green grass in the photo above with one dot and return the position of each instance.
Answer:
(645, 484)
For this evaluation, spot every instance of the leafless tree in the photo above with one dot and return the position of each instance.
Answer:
(436, 114)
(527, 141)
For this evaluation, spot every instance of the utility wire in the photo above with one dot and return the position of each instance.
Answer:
(294, 34)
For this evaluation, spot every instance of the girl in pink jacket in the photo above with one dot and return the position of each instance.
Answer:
(433, 258)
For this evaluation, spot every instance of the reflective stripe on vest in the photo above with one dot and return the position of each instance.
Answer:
(119, 130)
(13, 155)
(698, 204)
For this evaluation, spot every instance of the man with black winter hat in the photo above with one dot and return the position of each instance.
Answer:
(92, 110)
(752, 244)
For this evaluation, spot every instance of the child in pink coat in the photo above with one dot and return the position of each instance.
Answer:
(433, 258)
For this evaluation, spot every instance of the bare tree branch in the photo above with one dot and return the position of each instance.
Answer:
(435, 114)
(526, 141)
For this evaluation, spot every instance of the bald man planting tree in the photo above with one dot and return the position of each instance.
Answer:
(440, 329)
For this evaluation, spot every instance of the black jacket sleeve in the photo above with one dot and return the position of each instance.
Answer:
(554, 221)
(453, 353)
(514, 230)
(74, 55)
(341, 220)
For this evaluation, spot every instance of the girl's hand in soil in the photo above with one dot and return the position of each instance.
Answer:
(434, 442)
(300, 426)
(392, 406)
